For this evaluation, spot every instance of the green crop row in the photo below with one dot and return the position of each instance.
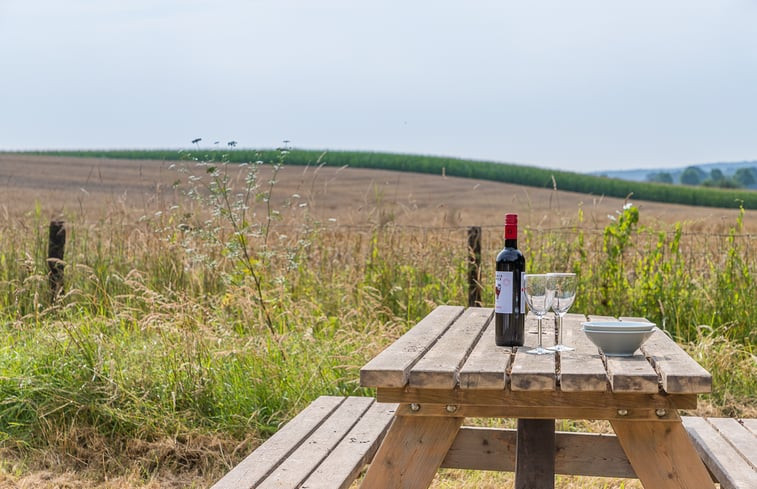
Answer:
(485, 170)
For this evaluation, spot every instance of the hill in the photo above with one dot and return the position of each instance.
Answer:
(485, 170)
(348, 196)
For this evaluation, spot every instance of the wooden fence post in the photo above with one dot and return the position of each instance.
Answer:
(474, 266)
(55, 250)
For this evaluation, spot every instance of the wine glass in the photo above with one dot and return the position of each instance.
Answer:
(539, 300)
(563, 286)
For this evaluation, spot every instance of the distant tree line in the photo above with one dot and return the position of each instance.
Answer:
(745, 177)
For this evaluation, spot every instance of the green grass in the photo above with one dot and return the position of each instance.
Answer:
(486, 170)
(163, 330)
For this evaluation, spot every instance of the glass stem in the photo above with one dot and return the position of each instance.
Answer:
(559, 329)
(539, 331)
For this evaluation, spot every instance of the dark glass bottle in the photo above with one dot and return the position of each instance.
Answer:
(509, 302)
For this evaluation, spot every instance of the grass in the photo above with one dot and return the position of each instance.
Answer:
(166, 358)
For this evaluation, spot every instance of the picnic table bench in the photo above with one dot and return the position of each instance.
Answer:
(325, 446)
(447, 368)
(728, 447)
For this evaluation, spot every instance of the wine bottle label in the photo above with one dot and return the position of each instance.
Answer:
(503, 293)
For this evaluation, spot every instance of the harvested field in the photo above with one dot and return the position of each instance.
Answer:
(91, 188)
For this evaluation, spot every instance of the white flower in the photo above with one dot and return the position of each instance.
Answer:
(611, 217)
(627, 206)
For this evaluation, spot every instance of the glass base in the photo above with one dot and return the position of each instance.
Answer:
(561, 348)
(540, 351)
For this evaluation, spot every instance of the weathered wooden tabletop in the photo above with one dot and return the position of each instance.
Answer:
(453, 348)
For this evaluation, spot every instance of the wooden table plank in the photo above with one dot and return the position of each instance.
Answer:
(630, 374)
(261, 462)
(534, 372)
(581, 370)
(568, 400)
(679, 373)
(487, 364)
(304, 460)
(438, 368)
(391, 367)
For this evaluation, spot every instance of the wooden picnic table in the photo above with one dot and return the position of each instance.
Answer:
(447, 368)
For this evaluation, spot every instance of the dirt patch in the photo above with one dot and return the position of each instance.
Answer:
(87, 460)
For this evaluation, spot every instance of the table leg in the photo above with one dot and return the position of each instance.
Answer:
(411, 452)
(535, 454)
(662, 455)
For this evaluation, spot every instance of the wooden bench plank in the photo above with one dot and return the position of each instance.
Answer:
(535, 372)
(391, 367)
(487, 364)
(581, 370)
(630, 374)
(679, 373)
(588, 454)
(740, 438)
(272, 452)
(750, 424)
(438, 368)
(306, 458)
(725, 463)
(355, 451)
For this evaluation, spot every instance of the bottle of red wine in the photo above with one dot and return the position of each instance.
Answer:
(509, 302)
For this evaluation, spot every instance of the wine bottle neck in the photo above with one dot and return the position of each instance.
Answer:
(511, 243)
(511, 234)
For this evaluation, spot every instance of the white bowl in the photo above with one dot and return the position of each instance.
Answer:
(618, 343)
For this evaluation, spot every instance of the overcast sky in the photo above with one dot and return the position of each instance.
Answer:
(580, 85)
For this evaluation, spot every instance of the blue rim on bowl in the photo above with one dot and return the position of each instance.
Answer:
(618, 325)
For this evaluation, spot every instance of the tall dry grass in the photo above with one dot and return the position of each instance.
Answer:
(183, 338)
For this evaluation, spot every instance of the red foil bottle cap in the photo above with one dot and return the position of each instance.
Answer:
(511, 226)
